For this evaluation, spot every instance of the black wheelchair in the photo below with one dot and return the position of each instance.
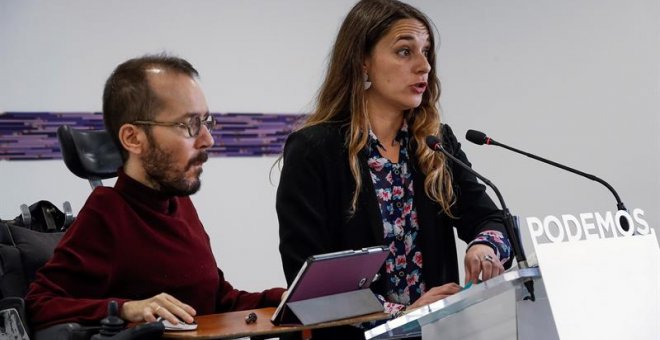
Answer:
(27, 242)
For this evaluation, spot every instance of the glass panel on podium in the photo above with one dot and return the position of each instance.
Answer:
(493, 309)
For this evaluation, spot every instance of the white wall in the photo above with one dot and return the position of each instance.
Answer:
(575, 81)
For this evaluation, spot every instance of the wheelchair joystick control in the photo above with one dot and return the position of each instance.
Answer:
(112, 324)
(112, 328)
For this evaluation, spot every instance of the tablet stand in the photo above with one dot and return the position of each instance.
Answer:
(332, 307)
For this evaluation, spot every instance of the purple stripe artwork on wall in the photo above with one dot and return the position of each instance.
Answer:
(33, 135)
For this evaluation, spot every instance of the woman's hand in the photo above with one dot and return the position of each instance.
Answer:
(162, 305)
(481, 259)
(435, 294)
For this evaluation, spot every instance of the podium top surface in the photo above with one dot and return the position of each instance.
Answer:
(411, 323)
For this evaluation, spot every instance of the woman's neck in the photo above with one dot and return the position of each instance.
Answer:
(385, 125)
(385, 120)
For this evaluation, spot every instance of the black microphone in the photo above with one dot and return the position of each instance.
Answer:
(435, 144)
(480, 138)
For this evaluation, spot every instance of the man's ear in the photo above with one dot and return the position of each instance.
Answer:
(133, 139)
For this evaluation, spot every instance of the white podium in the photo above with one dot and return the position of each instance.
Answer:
(494, 309)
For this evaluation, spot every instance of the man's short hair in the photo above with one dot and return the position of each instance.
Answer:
(127, 96)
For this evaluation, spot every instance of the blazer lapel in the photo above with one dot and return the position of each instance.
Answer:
(368, 200)
(424, 206)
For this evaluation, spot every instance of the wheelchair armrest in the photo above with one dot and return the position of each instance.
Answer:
(110, 329)
(74, 331)
(66, 331)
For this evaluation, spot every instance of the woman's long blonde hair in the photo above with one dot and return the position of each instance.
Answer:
(341, 98)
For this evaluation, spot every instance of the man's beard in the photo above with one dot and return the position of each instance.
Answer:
(160, 169)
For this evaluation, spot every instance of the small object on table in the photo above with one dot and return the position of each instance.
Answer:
(251, 318)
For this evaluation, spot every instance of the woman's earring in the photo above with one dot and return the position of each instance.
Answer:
(367, 83)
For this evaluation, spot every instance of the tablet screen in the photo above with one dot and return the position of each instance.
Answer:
(334, 273)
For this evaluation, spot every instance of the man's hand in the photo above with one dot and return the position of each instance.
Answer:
(481, 259)
(162, 305)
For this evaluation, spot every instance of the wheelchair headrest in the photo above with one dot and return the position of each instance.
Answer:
(89, 154)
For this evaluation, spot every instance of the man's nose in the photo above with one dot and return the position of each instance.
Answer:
(205, 139)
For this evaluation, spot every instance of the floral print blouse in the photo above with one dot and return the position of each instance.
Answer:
(393, 184)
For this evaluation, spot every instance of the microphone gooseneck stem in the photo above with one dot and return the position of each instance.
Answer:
(578, 172)
(509, 223)
(619, 204)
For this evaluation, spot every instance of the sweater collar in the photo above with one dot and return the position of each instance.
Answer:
(145, 195)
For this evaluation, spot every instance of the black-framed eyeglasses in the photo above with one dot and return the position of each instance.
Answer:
(193, 125)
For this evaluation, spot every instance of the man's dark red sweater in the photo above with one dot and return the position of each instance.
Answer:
(131, 242)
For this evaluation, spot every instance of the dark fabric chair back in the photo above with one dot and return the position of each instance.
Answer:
(22, 253)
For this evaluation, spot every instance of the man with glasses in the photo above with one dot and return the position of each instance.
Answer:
(141, 242)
